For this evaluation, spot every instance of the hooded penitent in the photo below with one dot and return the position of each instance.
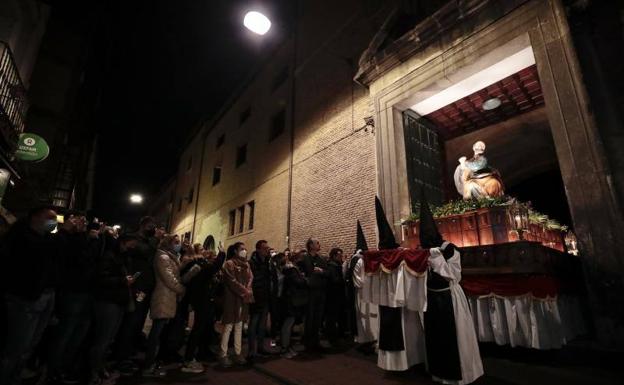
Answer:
(390, 327)
(386, 236)
(360, 240)
(429, 234)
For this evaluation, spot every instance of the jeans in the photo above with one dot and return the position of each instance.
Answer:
(74, 313)
(314, 318)
(108, 317)
(287, 326)
(153, 341)
(335, 318)
(201, 324)
(173, 335)
(238, 337)
(26, 320)
(257, 330)
(131, 329)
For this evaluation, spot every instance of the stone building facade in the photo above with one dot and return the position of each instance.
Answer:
(258, 172)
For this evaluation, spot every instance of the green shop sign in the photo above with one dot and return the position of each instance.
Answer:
(32, 148)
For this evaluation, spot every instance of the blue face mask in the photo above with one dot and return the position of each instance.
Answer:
(49, 225)
(177, 248)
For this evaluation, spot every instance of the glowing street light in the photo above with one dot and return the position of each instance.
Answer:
(257, 22)
(136, 199)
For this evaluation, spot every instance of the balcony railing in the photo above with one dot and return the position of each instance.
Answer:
(13, 100)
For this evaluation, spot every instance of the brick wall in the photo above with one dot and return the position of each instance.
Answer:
(334, 169)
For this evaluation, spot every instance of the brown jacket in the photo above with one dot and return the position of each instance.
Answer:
(237, 278)
(169, 285)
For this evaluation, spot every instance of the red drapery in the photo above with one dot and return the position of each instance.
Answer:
(509, 285)
(415, 259)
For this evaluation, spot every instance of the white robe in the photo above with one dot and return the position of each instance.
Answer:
(414, 341)
(469, 356)
(367, 314)
(397, 289)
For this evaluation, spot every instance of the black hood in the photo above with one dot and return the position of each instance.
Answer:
(360, 240)
(386, 236)
(429, 234)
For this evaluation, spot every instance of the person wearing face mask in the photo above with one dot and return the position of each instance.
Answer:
(168, 291)
(112, 295)
(237, 296)
(29, 278)
(141, 263)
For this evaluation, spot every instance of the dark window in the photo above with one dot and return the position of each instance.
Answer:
(241, 218)
(189, 163)
(232, 221)
(241, 155)
(278, 123)
(190, 195)
(187, 236)
(216, 175)
(244, 116)
(252, 209)
(220, 140)
(279, 79)
(179, 204)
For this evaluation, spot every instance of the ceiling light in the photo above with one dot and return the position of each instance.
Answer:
(478, 81)
(491, 104)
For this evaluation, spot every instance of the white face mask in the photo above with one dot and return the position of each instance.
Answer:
(242, 254)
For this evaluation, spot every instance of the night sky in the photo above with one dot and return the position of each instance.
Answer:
(172, 63)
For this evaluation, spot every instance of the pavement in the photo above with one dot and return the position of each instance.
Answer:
(503, 366)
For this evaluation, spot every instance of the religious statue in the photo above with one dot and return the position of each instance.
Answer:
(474, 178)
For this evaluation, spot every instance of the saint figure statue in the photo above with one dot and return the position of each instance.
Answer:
(475, 179)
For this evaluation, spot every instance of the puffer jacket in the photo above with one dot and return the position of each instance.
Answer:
(169, 285)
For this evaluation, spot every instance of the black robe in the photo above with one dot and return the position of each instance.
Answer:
(440, 332)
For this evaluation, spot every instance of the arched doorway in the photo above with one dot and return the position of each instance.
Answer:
(209, 243)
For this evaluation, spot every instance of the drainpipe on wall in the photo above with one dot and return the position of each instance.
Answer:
(293, 97)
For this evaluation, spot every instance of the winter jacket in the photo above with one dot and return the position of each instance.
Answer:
(111, 284)
(238, 278)
(142, 260)
(77, 256)
(169, 285)
(202, 288)
(295, 290)
(316, 280)
(30, 262)
(262, 281)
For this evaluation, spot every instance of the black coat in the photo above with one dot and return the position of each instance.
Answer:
(295, 290)
(30, 262)
(261, 284)
(111, 283)
(77, 256)
(336, 285)
(142, 260)
(201, 290)
(316, 280)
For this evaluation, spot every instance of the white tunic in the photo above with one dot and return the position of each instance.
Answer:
(367, 316)
(469, 356)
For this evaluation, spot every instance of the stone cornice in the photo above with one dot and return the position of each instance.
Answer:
(466, 16)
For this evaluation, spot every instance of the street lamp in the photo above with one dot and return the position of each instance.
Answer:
(257, 22)
(136, 199)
